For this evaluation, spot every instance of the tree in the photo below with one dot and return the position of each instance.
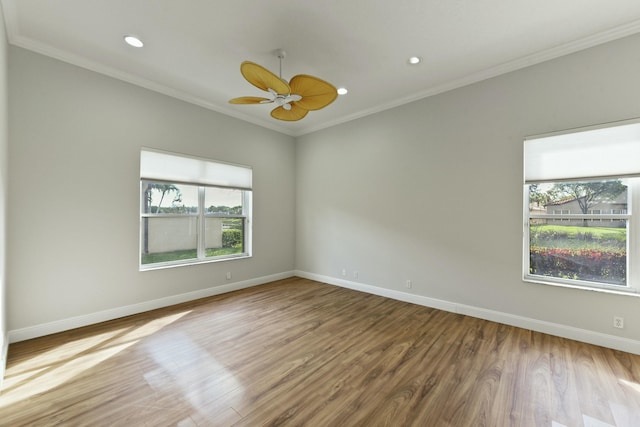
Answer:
(164, 189)
(236, 210)
(540, 198)
(587, 194)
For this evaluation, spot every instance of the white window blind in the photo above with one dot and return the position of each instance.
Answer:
(158, 165)
(601, 152)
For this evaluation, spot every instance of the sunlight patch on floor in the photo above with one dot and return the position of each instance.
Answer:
(50, 378)
(624, 416)
(57, 366)
(184, 365)
(61, 353)
(631, 385)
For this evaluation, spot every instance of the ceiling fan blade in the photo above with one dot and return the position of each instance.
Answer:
(295, 113)
(263, 79)
(249, 100)
(315, 92)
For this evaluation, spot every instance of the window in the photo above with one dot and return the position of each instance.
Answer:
(582, 249)
(579, 188)
(192, 210)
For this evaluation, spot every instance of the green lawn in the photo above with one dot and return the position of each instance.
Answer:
(575, 237)
(186, 254)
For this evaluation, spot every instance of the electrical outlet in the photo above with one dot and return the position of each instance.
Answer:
(618, 322)
(228, 275)
(409, 284)
(355, 274)
(344, 272)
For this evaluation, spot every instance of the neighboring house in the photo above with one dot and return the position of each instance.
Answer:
(605, 207)
(537, 209)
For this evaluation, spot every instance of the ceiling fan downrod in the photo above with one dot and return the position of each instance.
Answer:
(281, 54)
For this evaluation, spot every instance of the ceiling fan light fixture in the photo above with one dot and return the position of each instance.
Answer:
(342, 91)
(293, 100)
(133, 41)
(414, 60)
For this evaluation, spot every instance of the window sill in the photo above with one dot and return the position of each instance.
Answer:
(163, 266)
(612, 289)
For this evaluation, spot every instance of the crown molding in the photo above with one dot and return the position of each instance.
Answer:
(488, 73)
(14, 38)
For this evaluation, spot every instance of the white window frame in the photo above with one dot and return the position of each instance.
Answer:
(153, 170)
(632, 238)
(246, 220)
(629, 169)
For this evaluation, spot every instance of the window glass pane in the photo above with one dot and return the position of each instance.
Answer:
(585, 247)
(573, 197)
(222, 201)
(169, 198)
(182, 223)
(579, 252)
(223, 236)
(168, 239)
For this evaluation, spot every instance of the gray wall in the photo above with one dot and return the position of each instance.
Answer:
(4, 142)
(407, 194)
(75, 148)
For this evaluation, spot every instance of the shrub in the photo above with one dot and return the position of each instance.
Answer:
(232, 238)
(582, 264)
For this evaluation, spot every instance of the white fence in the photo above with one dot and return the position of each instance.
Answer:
(180, 233)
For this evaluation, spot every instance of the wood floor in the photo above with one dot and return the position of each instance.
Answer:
(302, 353)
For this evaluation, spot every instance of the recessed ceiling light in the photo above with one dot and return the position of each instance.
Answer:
(133, 41)
(342, 91)
(414, 60)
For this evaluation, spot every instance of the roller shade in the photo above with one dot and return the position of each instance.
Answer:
(158, 165)
(611, 151)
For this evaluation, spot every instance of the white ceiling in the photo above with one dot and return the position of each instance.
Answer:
(193, 48)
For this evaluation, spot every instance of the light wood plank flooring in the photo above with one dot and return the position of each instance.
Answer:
(302, 353)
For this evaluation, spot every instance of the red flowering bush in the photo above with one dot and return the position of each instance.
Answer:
(607, 266)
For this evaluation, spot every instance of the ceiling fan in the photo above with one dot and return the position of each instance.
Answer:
(293, 100)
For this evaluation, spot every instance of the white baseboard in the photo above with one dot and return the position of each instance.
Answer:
(564, 331)
(583, 335)
(114, 313)
(4, 351)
